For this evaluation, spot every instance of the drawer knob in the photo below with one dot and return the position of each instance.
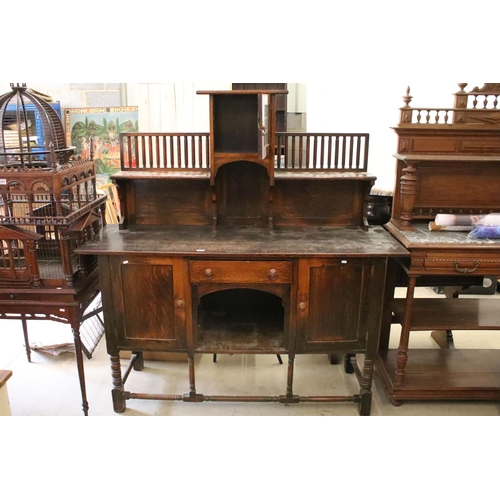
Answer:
(466, 270)
(273, 274)
(302, 306)
(180, 304)
(209, 273)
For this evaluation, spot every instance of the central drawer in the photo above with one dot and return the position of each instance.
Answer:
(240, 271)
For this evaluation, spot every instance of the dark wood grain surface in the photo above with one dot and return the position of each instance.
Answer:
(255, 242)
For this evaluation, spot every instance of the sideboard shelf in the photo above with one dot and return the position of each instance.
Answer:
(442, 374)
(449, 314)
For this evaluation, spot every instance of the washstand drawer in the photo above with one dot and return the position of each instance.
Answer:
(461, 263)
(241, 271)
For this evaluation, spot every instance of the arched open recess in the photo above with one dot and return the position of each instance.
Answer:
(242, 189)
(236, 318)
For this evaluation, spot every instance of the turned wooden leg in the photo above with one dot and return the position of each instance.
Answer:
(26, 339)
(119, 404)
(192, 382)
(366, 387)
(81, 372)
(402, 356)
(289, 381)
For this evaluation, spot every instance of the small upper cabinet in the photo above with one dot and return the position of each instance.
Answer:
(236, 123)
(242, 127)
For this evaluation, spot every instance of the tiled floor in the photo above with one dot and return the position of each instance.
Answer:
(49, 385)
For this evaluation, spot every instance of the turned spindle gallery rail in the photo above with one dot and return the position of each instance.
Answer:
(345, 152)
(470, 107)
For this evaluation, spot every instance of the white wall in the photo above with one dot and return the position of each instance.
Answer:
(374, 108)
(77, 95)
(173, 107)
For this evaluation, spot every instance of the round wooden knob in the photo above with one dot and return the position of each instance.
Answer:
(180, 304)
(302, 306)
(209, 273)
(273, 274)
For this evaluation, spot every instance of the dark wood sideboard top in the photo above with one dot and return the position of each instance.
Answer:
(198, 241)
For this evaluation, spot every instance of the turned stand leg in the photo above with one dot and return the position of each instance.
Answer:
(402, 357)
(26, 340)
(81, 372)
(119, 404)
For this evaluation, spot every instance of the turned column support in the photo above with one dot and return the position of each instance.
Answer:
(408, 193)
(66, 255)
(33, 263)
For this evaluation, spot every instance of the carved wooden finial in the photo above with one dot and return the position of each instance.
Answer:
(407, 98)
(462, 87)
(52, 156)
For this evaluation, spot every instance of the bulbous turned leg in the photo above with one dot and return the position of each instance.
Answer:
(119, 405)
(366, 387)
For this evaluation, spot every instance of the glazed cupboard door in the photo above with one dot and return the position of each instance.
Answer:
(144, 303)
(335, 303)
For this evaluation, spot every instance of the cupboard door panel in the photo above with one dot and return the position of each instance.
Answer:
(337, 303)
(148, 299)
(334, 303)
(145, 304)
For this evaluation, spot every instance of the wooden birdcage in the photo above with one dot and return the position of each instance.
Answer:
(49, 206)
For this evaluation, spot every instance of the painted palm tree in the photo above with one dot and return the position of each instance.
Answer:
(107, 134)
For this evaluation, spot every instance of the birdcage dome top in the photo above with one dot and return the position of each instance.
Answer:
(30, 128)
